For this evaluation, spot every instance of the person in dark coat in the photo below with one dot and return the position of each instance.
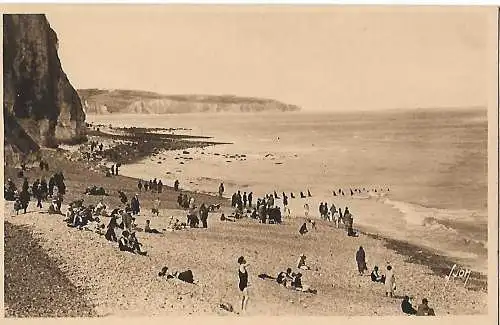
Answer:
(303, 229)
(24, 197)
(250, 198)
(361, 261)
(160, 186)
(407, 307)
(203, 215)
(135, 205)
(139, 185)
(51, 186)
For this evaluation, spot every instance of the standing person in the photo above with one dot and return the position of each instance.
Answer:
(26, 185)
(176, 185)
(204, 215)
(243, 282)
(156, 207)
(116, 167)
(361, 261)
(139, 185)
(333, 210)
(51, 186)
(146, 186)
(250, 197)
(233, 200)
(239, 199)
(390, 282)
(245, 199)
(160, 186)
(321, 210)
(285, 200)
(113, 170)
(135, 205)
(306, 210)
(221, 189)
(25, 200)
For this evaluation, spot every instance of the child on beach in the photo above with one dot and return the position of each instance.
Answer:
(377, 277)
(303, 229)
(306, 210)
(148, 228)
(156, 207)
(243, 282)
(301, 263)
(390, 282)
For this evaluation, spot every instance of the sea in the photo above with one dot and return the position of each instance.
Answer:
(429, 167)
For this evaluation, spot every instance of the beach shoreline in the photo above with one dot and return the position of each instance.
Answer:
(81, 174)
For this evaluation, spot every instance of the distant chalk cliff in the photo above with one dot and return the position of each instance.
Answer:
(99, 101)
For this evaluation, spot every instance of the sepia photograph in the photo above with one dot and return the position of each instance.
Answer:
(250, 160)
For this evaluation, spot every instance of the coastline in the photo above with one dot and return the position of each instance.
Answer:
(81, 174)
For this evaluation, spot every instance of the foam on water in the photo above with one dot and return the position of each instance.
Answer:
(421, 161)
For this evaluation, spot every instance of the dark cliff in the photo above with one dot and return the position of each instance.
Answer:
(39, 102)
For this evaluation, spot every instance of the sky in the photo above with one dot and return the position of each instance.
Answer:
(320, 58)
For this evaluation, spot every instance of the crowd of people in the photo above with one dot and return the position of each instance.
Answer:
(265, 209)
(154, 186)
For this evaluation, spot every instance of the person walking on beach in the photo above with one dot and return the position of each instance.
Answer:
(139, 185)
(204, 215)
(243, 282)
(390, 282)
(221, 189)
(156, 207)
(306, 210)
(24, 197)
(361, 261)
(245, 199)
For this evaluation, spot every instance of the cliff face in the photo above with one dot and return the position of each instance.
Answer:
(38, 98)
(98, 101)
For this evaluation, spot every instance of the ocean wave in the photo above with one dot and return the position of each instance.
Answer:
(443, 221)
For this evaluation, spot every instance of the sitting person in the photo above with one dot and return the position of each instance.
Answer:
(285, 278)
(424, 309)
(193, 220)
(376, 277)
(303, 229)
(186, 276)
(406, 306)
(297, 284)
(110, 233)
(224, 218)
(54, 208)
(301, 263)
(135, 245)
(148, 228)
(18, 205)
(123, 243)
(176, 225)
